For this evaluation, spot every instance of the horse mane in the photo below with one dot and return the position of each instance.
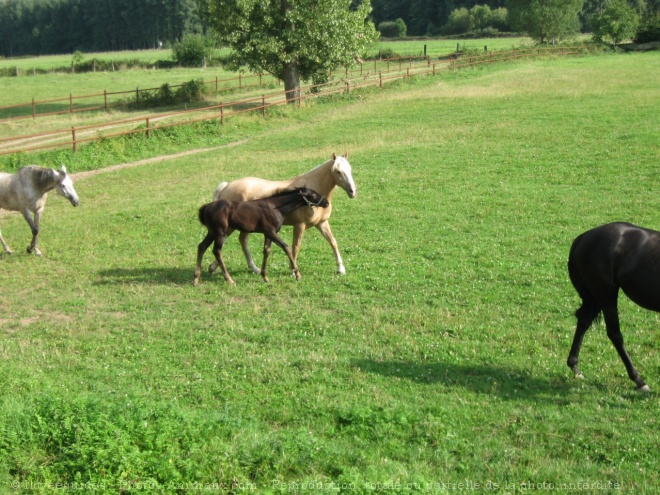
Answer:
(44, 178)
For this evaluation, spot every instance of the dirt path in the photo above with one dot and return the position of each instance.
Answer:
(156, 159)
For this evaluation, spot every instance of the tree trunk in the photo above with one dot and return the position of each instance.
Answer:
(292, 82)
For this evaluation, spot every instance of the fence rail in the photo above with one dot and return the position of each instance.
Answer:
(74, 136)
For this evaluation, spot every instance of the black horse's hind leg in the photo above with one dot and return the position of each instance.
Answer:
(614, 333)
(201, 249)
(586, 314)
(217, 251)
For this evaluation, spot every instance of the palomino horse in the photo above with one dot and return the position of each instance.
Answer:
(602, 261)
(264, 215)
(26, 191)
(323, 179)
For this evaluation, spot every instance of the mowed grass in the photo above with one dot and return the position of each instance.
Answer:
(436, 364)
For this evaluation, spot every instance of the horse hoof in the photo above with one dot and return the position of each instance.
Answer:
(341, 270)
(644, 389)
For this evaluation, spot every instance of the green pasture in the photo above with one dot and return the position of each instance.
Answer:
(435, 365)
(48, 86)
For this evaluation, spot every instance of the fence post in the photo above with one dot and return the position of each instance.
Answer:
(105, 100)
(380, 79)
(216, 85)
(137, 94)
(222, 113)
(70, 103)
(348, 87)
(75, 143)
(263, 106)
(148, 129)
(34, 109)
(434, 69)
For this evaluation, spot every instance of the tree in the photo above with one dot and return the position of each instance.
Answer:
(617, 21)
(292, 40)
(545, 19)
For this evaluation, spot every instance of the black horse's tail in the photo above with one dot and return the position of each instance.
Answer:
(590, 309)
(202, 214)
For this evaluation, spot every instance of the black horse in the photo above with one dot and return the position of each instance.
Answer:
(263, 216)
(602, 261)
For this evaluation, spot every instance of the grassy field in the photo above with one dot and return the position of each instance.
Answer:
(43, 87)
(435, 365)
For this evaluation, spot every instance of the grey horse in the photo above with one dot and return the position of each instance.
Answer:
(26, 191)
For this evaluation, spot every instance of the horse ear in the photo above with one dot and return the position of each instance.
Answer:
(334, 157)
(64, 169)
(346, 154)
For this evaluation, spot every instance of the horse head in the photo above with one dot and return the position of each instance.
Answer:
(65, 188)
(342, 174)
(312, 198)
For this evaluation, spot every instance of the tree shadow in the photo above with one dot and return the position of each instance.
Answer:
(146, 276)
(506, 383)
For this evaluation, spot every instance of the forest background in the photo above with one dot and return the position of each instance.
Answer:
(40, 27)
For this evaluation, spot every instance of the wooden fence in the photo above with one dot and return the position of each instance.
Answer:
(74, 136)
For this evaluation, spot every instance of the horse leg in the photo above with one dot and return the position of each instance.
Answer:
(264, 263)
(34, 227)
(586, 314)
(277, 240)
(4, 245)
(201, 249)
(324, 227)
(217, 251)
(614, 333)
(243, 238)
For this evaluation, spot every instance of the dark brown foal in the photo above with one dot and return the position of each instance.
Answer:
(263, 216)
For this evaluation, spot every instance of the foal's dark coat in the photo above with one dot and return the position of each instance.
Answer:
(264, 216)
(602, 261)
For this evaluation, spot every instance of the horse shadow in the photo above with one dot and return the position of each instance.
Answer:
(146, 276)
(505, 383)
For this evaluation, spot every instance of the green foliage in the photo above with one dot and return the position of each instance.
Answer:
(393, 29)
(192, 50)
(47, 27)
(479, 17)
(292, 40)
(649, 29)
(545, 20)
(460, 21)
(388, 29)
(77, 58)
(401, 27)
(617, 21)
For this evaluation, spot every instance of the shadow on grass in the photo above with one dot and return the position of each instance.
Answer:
(506, 383)
(147, 276)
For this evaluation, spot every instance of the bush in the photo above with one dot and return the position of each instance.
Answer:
(192, 50)
(393, 29)
(618, 21)
(649, 30)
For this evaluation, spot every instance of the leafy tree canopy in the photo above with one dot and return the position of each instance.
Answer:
(293, 40)
(544, 20)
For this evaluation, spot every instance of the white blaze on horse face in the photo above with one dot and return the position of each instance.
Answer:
(65, 188)
(344, 176)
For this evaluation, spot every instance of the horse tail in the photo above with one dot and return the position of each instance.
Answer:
(202, 214)
(218, 190)
(590, 308)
